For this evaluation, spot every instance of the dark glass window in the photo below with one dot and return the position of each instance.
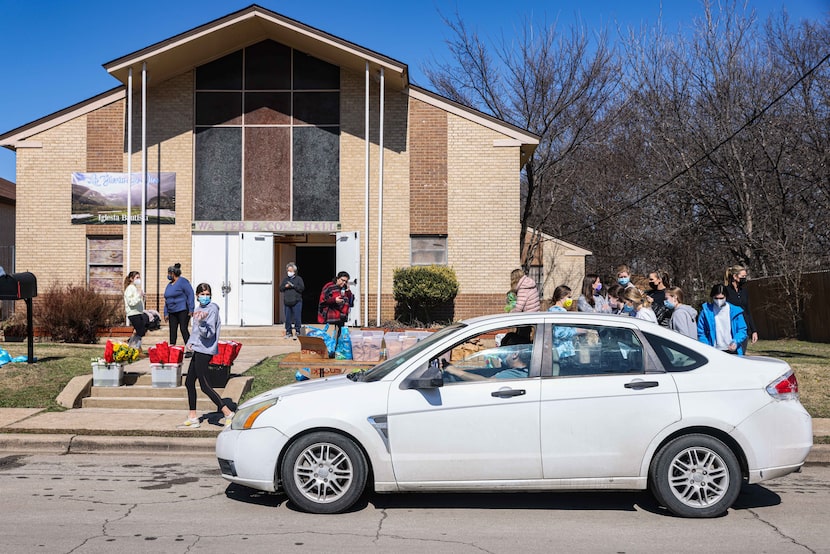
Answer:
(268, 66)
(316, 183)
(218, 195)
(311, 73)
(218, 108)
(316, 108)
(675, 357)
(267, 108)
(222, 74)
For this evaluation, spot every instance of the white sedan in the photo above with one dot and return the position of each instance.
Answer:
(529, 402)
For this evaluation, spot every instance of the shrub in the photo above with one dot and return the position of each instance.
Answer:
(15, 326)
(73, 313)
(418, 290)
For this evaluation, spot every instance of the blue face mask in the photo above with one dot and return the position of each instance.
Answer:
(628, 309)
(668, 304)
(169, 277)
(623, 281)
(204, 300)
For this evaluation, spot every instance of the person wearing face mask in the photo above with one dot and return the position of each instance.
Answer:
(658, 280)
(178, 303)
(204, 344)
(624, 276)
(134, 304)
(722, 324)
(738, 295)
(683, 317)
(292, 288)
(616, 301)
(641, 304)
(591, 299)
(563, 336)
(527, 295)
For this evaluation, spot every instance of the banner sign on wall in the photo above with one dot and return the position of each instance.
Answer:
(101, 198)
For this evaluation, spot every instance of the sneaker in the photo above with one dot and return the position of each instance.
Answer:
(188, 354)
(191, 423)
(226, 420)
(288, 336)
(294, 337)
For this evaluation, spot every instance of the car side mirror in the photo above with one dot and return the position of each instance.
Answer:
(431, 378)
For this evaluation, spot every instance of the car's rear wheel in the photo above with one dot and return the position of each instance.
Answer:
(696, 476)
(323, 473)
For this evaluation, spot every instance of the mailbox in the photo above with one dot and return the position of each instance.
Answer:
(18, 286)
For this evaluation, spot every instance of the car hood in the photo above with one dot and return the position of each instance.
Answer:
(303, 387)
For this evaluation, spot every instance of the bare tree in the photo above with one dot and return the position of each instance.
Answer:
(558, 86)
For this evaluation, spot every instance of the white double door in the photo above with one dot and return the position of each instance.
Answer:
(239, 267)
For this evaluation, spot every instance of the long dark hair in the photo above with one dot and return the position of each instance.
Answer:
(588, 287)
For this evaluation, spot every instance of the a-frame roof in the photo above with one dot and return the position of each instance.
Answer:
(250, 25)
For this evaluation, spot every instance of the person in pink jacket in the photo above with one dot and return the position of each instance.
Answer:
(527, 296)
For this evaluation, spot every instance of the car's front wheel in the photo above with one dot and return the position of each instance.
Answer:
(696, 476)
(323, 473)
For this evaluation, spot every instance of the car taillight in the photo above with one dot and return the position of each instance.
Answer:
(785, 387)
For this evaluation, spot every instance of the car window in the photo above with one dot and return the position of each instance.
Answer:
(383, 369)
(503, 354)
(595, 350)
(675, 357)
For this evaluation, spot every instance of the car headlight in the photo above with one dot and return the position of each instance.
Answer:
(245, 417)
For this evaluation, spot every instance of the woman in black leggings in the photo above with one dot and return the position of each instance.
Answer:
(204, 343)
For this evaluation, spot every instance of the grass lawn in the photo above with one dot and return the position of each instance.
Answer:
(37, 385)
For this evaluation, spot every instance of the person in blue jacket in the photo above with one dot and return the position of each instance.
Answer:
(722, 324)
(178, 303)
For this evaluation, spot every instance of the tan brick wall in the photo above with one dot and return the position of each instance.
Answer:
(105, 138)
(54, 249)
(483, 204)
(427, 169)
(395, 181)
(169, 148)
(48, 244)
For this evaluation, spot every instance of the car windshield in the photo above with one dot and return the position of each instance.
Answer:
(382, 370)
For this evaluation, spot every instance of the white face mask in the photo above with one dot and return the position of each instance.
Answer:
(137, 282)
(291, 274)
(720, 302)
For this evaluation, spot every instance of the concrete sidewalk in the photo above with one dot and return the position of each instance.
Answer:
(84, 430)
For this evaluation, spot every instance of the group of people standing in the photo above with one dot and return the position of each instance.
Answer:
(724, 322)
(197, 317)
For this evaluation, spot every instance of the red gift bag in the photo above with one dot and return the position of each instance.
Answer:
(108, 352)
(153, 353)
(163, 351)
(176, 355)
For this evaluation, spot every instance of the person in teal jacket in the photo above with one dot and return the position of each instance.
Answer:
(722, 324)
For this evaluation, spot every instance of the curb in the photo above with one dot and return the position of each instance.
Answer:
(91, 444)
(198, 446)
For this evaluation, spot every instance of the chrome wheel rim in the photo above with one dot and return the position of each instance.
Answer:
(698, 477)
(323, 473)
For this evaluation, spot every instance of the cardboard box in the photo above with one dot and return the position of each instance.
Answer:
(313, 348)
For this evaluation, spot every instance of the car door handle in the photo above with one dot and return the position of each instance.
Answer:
(508, 393)
(637, 385)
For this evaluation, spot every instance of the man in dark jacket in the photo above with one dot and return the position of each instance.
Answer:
(292, 288)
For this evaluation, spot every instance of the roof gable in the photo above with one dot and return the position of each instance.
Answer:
(245, 27)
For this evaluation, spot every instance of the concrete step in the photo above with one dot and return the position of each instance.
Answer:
(268, 335)
(146, 392)
(147, 403)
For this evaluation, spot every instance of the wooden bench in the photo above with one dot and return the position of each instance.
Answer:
(314, 356)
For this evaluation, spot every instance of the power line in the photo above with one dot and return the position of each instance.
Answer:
(704, 156)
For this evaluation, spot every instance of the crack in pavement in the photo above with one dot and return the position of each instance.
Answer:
(383, 516)
(779, 532)
(104, 528)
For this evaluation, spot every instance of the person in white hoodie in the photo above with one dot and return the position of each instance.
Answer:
(204, 343)
(134, 304)
(641, 303)
(684, 317)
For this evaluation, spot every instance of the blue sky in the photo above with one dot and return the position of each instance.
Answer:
(53, 50)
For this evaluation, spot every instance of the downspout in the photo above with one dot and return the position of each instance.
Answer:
(380, 191)
(366, 201)
(130, 170)
(144, 169)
